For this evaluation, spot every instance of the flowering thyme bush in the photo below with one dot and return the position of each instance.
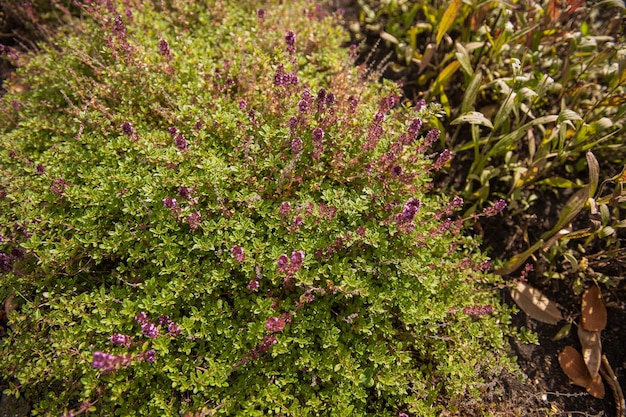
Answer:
(205, 209)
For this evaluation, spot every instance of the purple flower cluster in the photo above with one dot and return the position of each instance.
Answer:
(431, 137)
(237, 252)
(283, 79)
(148, 328)
(528, 268)
(290, 41)
(318, 145)
(263, 347)
(194, 220)
(414, 128)
(409, 211)
(128, 130)
(456, 203)
(108, 362)
(324, 100)
(170, 202)
(58, 186)
(290, 266)
(285, 208)
(164, 48)
(119, 339)
(443, 158)
(495, 209)
(375, 132)
(296, 146)
(478, 311)
(275, 324)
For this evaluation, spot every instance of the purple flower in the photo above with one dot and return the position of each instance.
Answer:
(414, 127)
(303, 106)
(443, 159)
(297, 222)
(275, 324)
(181, 142)
(121, 340)
(293, 123)
(164, 48)
(282, 262)
(396, 171)
(296, 146)
(173, 329)
(297, 257)
(170, 202)
(150, 356)
(431, 137)
(478, 311)
(193, 220)
(495, 209)
(5, 262)
(41, 169)
(108, 362)
(58, 186)
(150, 330)
(253, 285)
(237, 252)
(184, 192)
(290, 41)
(142, 318)
(118, 27)
(410, 210)
(102, 360)
(285, 208)
(127, 129)
(266, 344)
(164, 319)
(260, 14)
(172, 131)
(242, 104)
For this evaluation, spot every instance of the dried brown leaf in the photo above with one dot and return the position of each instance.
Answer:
(574, 367)
(596, 387)
(593, 310)
(592, 350)
(534, 303)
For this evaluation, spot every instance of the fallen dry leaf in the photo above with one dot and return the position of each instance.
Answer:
(574, 367)
(596, 387)
(592, 350)
(535, 304)
(593, 310)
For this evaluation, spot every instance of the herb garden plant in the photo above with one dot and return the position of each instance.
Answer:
(206, 210)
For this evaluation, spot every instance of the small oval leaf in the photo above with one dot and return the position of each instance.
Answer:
(574, 367)
(563, 332)
(593, 310)
(534, 303)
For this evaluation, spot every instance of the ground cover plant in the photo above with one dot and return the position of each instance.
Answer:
(534, 92)
(206, 209)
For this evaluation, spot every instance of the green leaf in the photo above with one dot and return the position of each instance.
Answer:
(473, 118)
(505, 110)
(558, 182)
(449, 16)
(594, 173)
(464, 59)
(471, 93)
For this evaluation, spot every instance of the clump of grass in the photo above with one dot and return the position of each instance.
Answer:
(207, 210)
(529, 90)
